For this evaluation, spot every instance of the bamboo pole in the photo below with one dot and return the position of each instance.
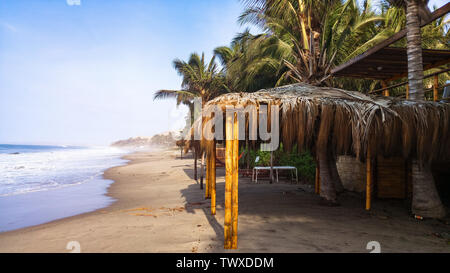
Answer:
(271, 167)
(202, 163)
(228, 180)
(385, 91)
(213, 178)
(368, 179)
(195, 164)
(234, 192)
(317, 178)
(435, 88)
(407, 91)
(207, 178)
(202, 152)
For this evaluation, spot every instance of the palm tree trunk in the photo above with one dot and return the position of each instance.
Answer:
(414, 51)
(335, 175)
(327, 185)
(426, 201)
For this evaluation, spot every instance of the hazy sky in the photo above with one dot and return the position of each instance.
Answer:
(86, 74)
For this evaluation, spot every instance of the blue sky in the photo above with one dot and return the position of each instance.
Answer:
(86, 74)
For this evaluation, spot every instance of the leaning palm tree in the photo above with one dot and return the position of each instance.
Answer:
(200, 80)
(426, 201)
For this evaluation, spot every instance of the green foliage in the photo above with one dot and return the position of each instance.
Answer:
(301, 41)
(264, 158)
(200, 79)
(303, 161)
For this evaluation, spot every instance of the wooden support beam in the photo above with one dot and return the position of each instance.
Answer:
(406, 82)
(394, 38)
(368, 179)
(207, 178)
(271, 167)
(202, 163)
(195, 163)
(228, 179)
(234, 192)
(425, 68)
(435, 88)
(317, 186)
(385, 89)
(213, 178)
(407, 91)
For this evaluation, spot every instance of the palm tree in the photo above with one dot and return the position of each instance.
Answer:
(426, 201)
(307, 37)
(200, 80)
(303, 40)
(414, 43)
(244, 67)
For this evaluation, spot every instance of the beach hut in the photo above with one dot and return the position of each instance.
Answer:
(331, 122)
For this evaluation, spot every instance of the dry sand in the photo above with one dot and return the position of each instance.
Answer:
(160, 208)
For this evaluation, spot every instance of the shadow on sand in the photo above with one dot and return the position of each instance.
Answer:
(284, 217)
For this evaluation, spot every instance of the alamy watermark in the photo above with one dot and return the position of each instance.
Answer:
(74, 247)
(209, 123)
(374, 246)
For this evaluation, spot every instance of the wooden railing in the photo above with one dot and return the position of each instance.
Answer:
(385, 89)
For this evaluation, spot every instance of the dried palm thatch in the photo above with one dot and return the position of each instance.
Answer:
(341, 122)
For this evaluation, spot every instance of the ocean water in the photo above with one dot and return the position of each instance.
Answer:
(39, 184)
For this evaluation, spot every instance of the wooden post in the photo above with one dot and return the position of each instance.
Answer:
(202, 152)
(435, 88)
(368, 179)
(234, 193)
(271, 167)
(208, 168)
(228, 179)
(195, 163)
(386, 91)
(213, 178)
(202, 160)
(317, 178)
(247, 150)
(407, 91)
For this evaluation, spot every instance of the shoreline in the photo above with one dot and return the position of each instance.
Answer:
(106, 194)
(160, 208)
(76, 190)
(8, 239)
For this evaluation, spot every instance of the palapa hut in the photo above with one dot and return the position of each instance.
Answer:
(332, 122)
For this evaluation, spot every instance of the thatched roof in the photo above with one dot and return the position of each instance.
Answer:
(346, 122)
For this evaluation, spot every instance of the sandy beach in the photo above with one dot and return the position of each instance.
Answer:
(160, 208)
